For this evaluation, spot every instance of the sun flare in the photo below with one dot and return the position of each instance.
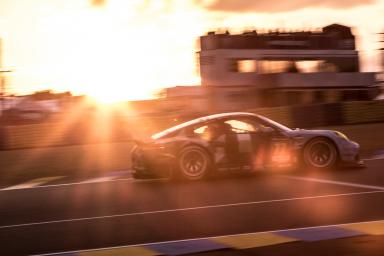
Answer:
(125, 49)
(113, 55)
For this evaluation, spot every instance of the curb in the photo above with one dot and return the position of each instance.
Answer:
(240, 241)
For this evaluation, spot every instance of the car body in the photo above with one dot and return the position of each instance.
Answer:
(238, 141)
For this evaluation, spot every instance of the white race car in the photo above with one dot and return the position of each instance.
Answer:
(238, 142)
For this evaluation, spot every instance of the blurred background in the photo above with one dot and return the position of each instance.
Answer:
(80, 72)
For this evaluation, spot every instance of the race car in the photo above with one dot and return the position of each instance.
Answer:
(238, 142)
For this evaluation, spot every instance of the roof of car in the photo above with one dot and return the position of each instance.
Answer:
(200, 120)
(214, 116)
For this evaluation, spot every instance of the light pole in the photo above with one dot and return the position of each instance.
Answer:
(3, 89)
(382, 51)
(2, 78)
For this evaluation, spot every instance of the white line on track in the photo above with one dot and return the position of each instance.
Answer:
(189, 209)
(341, 183)
(71, 184)
(209, 237)
(380, 157)
(99, 179)
(33, 183)
(111, 179)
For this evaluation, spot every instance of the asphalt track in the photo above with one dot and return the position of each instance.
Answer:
(71, 215)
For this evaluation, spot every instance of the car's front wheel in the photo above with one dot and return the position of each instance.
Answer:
(321, 154)
(194, 163)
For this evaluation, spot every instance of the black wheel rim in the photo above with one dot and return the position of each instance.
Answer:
(321, 154)
(194, 163)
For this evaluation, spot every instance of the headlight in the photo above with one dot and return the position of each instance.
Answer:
(341, 135)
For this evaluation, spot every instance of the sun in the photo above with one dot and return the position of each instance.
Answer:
(105, 59)
(104, 96)
(121, 52)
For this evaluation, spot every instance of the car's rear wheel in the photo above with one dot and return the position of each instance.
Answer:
(194, 163)
(321, 154)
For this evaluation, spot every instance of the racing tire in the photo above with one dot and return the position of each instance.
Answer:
(194, 163)
(320, 154)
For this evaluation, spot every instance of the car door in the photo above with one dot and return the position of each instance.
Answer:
(221, 141)
(258, 145)
(241, 144)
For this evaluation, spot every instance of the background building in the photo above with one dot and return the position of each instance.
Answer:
(283, 68)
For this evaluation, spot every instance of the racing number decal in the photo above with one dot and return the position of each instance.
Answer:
(280, 152)
(279, 147)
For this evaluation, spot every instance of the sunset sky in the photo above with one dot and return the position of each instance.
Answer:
(124, 49)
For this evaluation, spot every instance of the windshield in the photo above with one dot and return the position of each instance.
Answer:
(211, 117)
(178, 127)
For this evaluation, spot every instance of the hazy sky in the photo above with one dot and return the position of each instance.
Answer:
(126, 48)
(268, 6)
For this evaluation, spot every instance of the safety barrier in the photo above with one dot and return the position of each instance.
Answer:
(32, 135)
(282, 115)
(363, 111)
(57, 134)
(60, 134)
(328, 114)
